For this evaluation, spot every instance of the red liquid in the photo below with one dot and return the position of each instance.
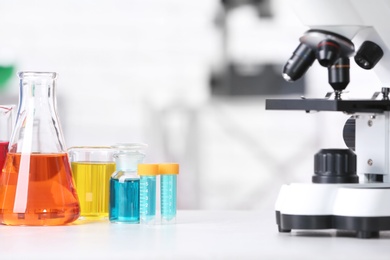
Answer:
(3, 153)
(52, 198)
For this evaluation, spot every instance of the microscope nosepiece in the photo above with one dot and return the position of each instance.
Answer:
(328, 52)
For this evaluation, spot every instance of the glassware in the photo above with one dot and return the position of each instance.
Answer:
(92, 168)
(6, 126)
(168, 189)
(124, 184)
(148, 173)
(36, 185)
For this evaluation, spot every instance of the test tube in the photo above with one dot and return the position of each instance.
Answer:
(168, 187)
(148, 173)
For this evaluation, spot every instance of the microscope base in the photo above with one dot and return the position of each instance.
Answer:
(354, 207)
(365, 227)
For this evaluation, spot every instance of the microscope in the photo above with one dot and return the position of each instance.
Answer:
(350, 186)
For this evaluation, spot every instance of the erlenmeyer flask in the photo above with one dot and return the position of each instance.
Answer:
(36, 185)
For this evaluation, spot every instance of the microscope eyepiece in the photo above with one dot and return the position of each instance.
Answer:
(328, 52)
(302, 58)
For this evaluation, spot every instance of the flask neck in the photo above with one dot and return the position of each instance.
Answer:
(37, 86)
(128, 162)
(37, 127)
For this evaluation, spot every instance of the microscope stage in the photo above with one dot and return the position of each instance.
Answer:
(348, 106)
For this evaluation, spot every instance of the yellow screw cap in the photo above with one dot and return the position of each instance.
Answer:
(147, 169)
(168, 168)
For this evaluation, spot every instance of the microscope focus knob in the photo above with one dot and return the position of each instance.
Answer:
(368, 55)
(335, 166)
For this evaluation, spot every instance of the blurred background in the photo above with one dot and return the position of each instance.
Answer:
(189, 78)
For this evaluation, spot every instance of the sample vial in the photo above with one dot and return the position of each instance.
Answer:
(148, 173)
(125, 184)
(168, 187)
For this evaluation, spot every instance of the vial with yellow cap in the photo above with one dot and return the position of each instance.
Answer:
(147, 173)
(168, 189)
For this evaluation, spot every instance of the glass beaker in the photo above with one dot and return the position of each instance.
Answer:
(36, 185)
(92, 168)
(125, 184)
(6, 126)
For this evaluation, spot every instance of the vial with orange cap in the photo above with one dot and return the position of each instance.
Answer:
(147, 173)
(168, 191)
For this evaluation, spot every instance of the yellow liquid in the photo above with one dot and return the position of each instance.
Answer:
(92, 181)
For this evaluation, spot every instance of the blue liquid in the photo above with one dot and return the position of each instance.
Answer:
(147, 198)
(124, 201)
(168, 197)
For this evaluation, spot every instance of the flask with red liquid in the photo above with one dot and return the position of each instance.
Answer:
(36, 185)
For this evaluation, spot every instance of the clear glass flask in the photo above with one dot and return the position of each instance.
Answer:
(125, 184)
(6, 126)
(148, 173)
(92, 168)
(36, 185)
(168, 191)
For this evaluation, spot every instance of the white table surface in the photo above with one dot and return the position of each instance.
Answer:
(196, 235)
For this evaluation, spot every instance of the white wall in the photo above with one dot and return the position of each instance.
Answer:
(111, 56)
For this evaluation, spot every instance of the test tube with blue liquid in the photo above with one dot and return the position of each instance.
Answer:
(125, 184)
(168, 191)
(148, 173)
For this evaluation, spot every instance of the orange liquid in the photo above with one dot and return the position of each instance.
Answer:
(52, 197)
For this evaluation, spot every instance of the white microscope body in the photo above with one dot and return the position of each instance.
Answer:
(351, 187)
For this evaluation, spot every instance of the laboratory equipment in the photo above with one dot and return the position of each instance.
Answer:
(6, 126)
(92, 167)
(125, 183)
(36, 185)
(148, 173)
(350, 188)
(168, 191)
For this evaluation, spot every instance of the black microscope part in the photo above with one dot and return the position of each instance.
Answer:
(368, 55)
(321, 104)
(302, 58)
(338, 74)
(328, 52)
(335, 166)
(349, 133)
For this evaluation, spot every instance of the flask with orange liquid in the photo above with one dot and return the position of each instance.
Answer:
(36, 185)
